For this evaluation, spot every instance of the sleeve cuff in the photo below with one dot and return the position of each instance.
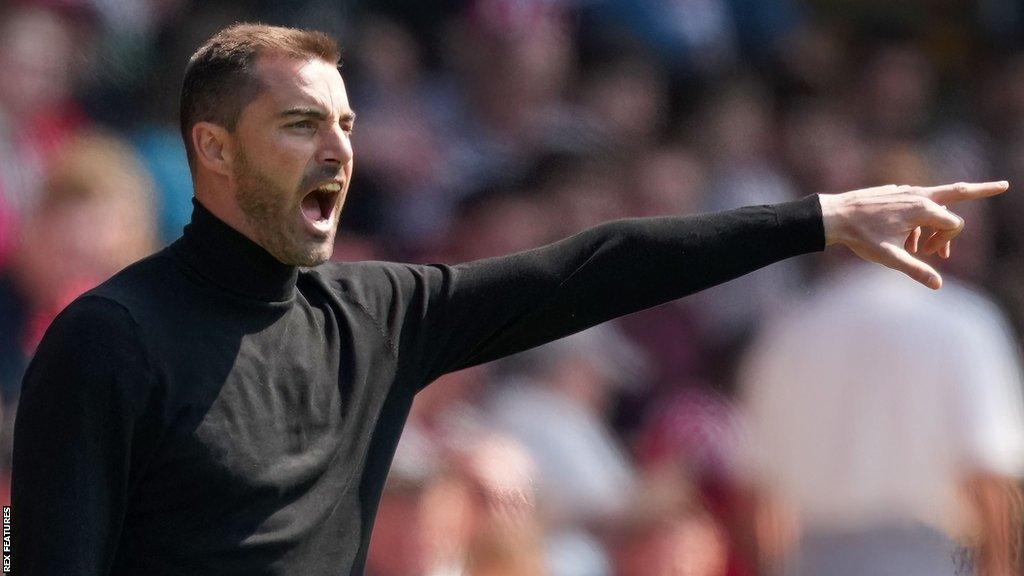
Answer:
(802, 223)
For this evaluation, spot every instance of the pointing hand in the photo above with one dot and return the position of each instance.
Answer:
(884, 224)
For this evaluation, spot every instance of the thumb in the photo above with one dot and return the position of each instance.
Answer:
(899, 259)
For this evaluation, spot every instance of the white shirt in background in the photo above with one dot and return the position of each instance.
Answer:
(870, 404)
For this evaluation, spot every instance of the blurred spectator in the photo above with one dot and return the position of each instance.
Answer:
(823, 147)
(887, 419)
(469, 512)
(94, 217)
(697, 430)
(554, 400)
(390, 80)
(512, 63)
(583, 191)
(39, 49)
(508, 530)
(628, 99)
(400, 146)
(897, 97)
(497, 221)
(447, 413)
(665, 180)
(814, 60)
(703, 38)
(423, 522)
(667, 533)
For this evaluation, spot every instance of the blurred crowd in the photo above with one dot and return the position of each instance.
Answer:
(691, 439)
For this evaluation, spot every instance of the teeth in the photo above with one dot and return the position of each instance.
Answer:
(332, 187)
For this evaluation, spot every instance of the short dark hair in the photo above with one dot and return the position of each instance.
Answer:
(220, 79)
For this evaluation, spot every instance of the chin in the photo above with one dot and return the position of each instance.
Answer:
(313, 257)
(307, 254)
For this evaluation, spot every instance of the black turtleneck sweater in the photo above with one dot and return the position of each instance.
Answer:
(212, 411)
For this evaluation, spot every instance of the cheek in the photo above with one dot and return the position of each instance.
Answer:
(288, 163)
(293, 150)
(281, 160)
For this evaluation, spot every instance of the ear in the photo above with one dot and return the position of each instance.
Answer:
(214, 146)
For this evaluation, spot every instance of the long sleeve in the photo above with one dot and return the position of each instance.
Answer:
(75, 434)
(443, 318)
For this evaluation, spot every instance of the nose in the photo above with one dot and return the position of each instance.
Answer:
(335, 147)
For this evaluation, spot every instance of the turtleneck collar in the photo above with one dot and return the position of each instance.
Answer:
(233, 262)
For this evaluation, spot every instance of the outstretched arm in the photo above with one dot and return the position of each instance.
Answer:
(442, 318)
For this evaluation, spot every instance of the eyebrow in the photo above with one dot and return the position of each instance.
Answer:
(316, 113)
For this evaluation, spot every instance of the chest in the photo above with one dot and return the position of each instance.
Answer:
(278, 401)
(270, 408)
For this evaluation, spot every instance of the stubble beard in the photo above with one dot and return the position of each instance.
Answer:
(267, 209)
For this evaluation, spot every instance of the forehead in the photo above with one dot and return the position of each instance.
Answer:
(290, 82)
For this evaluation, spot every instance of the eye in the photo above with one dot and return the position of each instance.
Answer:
(303, 125)
(348, 129)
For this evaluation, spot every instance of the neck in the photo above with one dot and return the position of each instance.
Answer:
(231, 260)
(224, 207)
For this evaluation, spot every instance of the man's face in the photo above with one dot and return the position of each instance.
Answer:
(294, 159)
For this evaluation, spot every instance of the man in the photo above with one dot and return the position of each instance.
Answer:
(879, 466)
(216, 409)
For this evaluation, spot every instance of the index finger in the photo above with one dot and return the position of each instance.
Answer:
(950, 193)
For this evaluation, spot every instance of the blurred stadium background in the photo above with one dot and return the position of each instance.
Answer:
(490, 126)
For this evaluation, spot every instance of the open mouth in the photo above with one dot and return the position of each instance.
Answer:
(318, 205)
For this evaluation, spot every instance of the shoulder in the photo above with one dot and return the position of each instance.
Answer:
(102, 326)
(141, 283)
(92, 313)
(972, 305)
(979, 329)
(93, 342)
(365, 273)
(91, 326)
(375, 283)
